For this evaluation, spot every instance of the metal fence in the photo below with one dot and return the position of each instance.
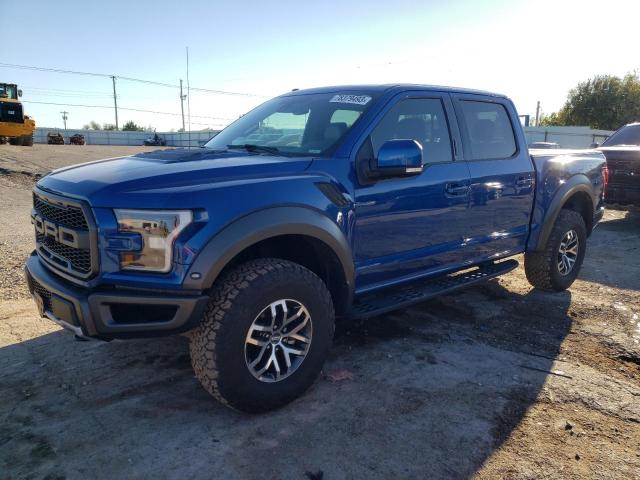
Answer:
(566, 137)
(111, 137)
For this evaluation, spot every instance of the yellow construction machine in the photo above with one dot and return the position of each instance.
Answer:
(15, 126)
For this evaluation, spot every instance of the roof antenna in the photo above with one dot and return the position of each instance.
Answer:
(188, 101)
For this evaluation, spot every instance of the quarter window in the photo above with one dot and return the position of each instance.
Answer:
(489, 130)
(419, 119)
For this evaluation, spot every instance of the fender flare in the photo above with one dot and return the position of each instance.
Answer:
(577, 183)
(264, 224)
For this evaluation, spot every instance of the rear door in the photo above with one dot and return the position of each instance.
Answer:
(502, 175)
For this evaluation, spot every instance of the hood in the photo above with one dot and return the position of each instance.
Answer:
(157, 179)
(621, 152)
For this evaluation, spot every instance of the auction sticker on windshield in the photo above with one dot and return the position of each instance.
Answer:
(355, 99)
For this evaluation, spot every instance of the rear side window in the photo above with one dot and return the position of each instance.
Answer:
(489, 128)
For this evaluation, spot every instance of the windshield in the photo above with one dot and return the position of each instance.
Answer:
(306, 124)
(627, 135)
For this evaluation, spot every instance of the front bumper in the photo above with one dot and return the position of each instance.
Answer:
(623, 193)
(113, 313)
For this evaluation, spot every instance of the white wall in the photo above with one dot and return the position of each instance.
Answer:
(567, 137)
(106, 137)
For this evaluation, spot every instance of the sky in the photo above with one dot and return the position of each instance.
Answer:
(529, 50)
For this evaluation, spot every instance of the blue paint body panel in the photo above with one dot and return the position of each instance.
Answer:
(397, 229)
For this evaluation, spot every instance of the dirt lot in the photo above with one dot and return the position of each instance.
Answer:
(499, 381)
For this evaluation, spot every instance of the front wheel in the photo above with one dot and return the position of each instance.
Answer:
(265, 336)
(556, 267)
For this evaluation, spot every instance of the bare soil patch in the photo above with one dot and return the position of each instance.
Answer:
(499, 381)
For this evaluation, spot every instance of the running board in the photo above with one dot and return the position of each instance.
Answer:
(393, 298)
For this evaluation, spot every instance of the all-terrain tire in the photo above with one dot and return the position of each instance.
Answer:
(27, 140)
(542, 268)
(217, 345)
(17, 141)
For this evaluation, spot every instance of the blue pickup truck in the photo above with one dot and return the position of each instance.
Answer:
(323, 203)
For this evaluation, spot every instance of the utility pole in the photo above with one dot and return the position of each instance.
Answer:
(182, 98)
(538, 114)
(115, 101)
(64, 118)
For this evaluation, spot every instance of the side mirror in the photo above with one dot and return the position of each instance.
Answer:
(594, 145)
(398, 158)
(19, 93)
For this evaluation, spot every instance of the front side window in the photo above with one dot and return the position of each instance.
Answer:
(419, 119)
(489, 129)
(306, 124)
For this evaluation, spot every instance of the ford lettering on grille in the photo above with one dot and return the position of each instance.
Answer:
(61, 234)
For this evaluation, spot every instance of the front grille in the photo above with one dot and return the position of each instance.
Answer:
(79, 258)
(11, 112)
(43, 292)
(62, 256)
(69, 216)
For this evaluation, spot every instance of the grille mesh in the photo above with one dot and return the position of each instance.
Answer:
(79, 258)
(69, 216)
(43, 292)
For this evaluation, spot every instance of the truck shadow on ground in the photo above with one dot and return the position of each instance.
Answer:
(614, 242)
(429, 391)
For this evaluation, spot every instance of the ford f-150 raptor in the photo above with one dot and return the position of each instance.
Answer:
(322, 203)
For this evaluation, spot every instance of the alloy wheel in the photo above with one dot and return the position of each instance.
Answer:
(278, 340)
(568, 252)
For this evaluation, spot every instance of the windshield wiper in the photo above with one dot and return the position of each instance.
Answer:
(256, 148)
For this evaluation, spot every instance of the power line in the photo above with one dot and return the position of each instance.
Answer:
(55, 70)
(65, 90)
(122, 108)
(72, 95)
(130, 79)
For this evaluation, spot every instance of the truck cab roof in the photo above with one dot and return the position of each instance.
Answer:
(391, 88)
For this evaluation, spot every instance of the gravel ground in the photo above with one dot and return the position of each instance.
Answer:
(499, 381)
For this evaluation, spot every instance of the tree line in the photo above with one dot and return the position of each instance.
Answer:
(605, 102)
(130, 126)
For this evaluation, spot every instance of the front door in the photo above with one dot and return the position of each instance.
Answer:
(409, 227)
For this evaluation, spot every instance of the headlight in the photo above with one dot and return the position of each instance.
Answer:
(158, 229)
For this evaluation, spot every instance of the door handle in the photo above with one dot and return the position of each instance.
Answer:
(457, 189)
(524, 182)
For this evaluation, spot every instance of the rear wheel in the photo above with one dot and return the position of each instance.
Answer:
(17, 141)
(265, 335)
(27, 140)
(557, 266)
